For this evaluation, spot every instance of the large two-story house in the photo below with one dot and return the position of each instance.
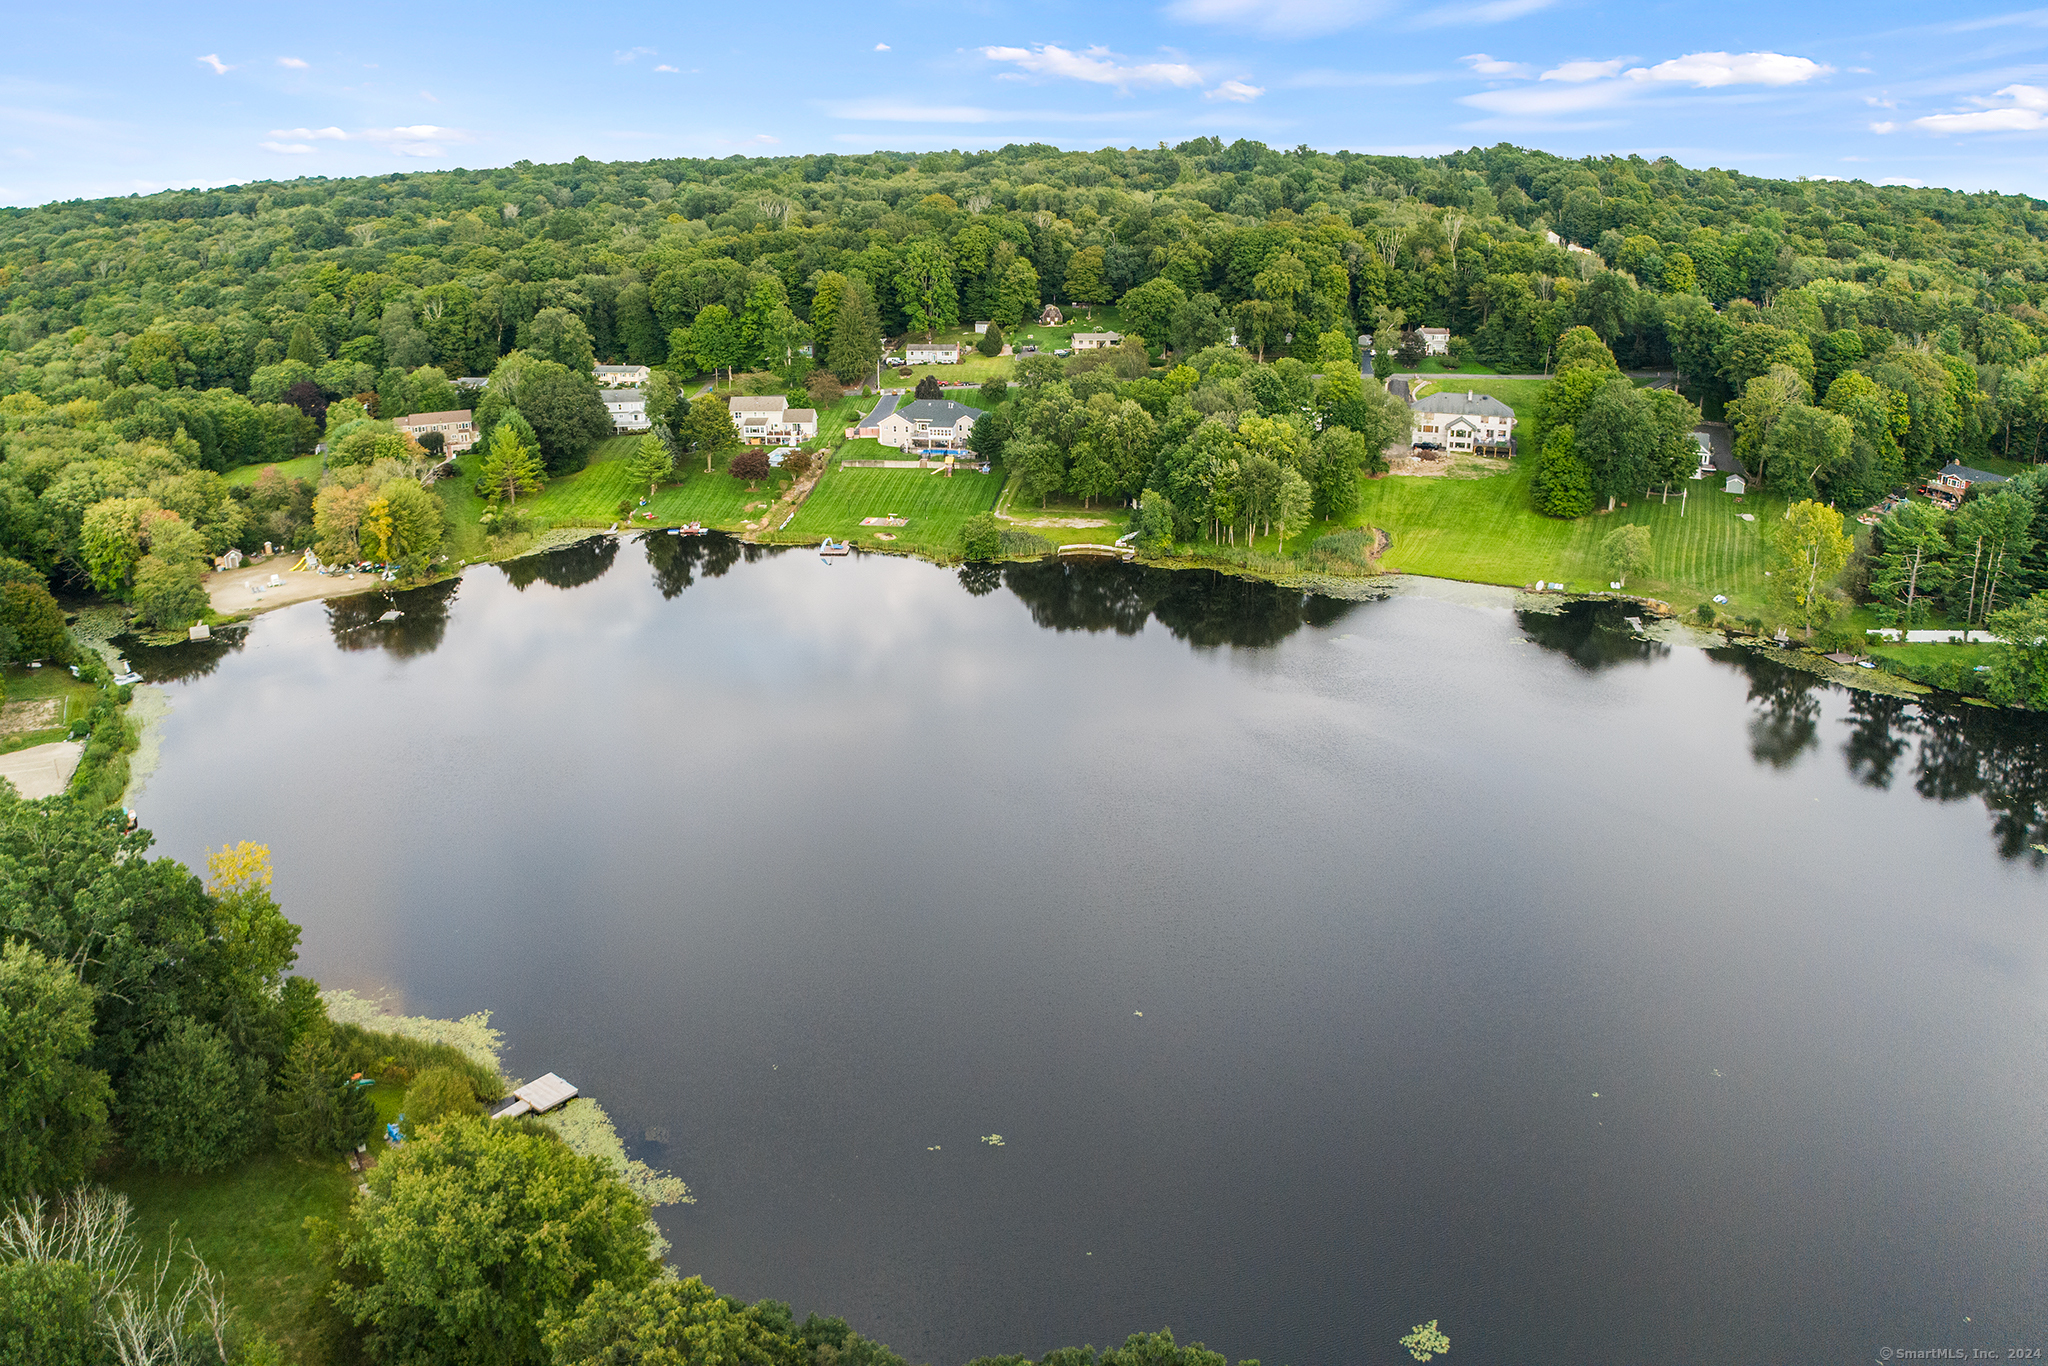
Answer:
(767, 419)
(458, 431)
(621, 376)
(1461, 422)
(926, 424)
(931, 353)
(628, 408)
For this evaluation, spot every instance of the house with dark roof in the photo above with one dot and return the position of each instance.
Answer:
(928, 424)
(1461, 422)
(1954, 481)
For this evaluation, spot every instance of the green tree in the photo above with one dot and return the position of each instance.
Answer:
(981, 537)
(708, 427)
(32, 617)
(437, 1093)
(651, 463)
(511, 466)
(1293, 504)
(666, 1322)
(856, 333)
(169, 593)
(319, 1109)
(558, 335)
(523, 1230)
(1086, 281)
(1808, 550)
(990, 343)
(1563, 483)
(715, 342)
(1563, 401)
(304, 347)
(1625, 551)
(1806, 446)
(191, 1105)
(53, 1109)
(828, 289)
(1016, 295)
(563, 407)
(1148, 310)
(2019, 667)
(1582, 346)
(924, 285)
(47, 1315)
(1912, 564)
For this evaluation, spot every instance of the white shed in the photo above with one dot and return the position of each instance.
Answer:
(1736, 484)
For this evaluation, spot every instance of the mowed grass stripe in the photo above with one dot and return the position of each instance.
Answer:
(934, 506)
(1487, 530)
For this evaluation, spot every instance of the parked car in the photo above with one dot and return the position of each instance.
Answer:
(892, 360)
(1027, 350)
(1062, 351)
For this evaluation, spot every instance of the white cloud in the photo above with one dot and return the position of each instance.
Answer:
(1876, 103)
(1237, 91)
(666, 67)
(212, 59)
(1484, 65)
(1884, 127)
(1279, 18)
(1905, 180)
(1492, 12)
(632, 54)
(1575, 72)
(419, 140)
(1537, 101)
(881, 47)
(289, 148)
(1096, 65)
(430, 97)
(2015, 109)
(293, 62)
(888, 111)
(1705, 70)
(1579, 87)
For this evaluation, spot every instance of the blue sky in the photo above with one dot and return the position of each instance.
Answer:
(96, 102)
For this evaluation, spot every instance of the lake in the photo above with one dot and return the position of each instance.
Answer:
(1325, 967)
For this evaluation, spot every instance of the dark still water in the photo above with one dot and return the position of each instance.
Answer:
(1326, 968)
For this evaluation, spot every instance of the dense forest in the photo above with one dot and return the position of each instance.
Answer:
(1857, 337)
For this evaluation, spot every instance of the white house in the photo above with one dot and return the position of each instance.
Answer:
(621, 376)
(628, 408)
(1557, 241)
(931, 353)
(1436, 341)
(927, 424)
(762, 419)
(458, 432)
(1095, 341)
(1461, 422)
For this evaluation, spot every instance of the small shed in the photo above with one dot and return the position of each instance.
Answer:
(537, 1097)
(1736, 484)
(1051, 316)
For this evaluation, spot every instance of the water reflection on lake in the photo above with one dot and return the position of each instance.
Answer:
(1287, 942)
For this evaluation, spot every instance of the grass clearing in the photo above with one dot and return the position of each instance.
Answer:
(306, 467)
(249, 1225)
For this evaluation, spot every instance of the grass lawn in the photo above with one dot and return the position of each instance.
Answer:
(591, 496)
(249, 1225)
(1434, 365)
(1485, 530)
(306, 467)
(74, 699)
(934, 506)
